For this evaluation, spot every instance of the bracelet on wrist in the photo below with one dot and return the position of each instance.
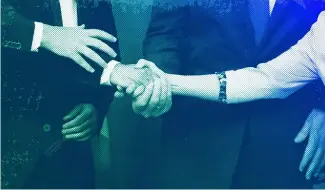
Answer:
(223, 87)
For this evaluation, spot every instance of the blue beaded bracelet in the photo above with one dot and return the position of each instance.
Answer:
(223, 87)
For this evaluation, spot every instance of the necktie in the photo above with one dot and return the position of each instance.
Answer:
(55, 4)
(259, 13)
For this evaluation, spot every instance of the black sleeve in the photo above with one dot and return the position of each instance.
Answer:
(165, 40)
(103, 19)
(17, 31)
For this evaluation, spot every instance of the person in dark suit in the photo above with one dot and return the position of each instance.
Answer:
(52, 101)
(201, 37)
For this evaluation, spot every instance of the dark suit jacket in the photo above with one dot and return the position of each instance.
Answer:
(211, 36)
(58, 83)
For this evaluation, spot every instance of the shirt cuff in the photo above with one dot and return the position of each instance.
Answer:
(106, 76)
(37, 37)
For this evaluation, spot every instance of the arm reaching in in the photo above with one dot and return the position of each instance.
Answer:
(74, 43)
(278, 78)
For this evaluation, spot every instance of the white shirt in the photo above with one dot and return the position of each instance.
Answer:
(69, 19)
(282, 76)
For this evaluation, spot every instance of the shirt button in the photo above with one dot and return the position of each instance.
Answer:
(47, 128)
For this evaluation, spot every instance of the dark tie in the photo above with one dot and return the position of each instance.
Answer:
(55, 4)
(259, 12)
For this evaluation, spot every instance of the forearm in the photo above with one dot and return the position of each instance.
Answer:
(243, 85)
(201, 86)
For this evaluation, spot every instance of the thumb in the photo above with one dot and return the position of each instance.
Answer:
(141, 63)
(145, 63)
(74, 113)
(304, 132)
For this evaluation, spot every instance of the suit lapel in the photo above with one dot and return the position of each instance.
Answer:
(83, 12)
(57, 17)
(284, 17)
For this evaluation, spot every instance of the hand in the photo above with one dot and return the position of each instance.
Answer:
(315, 151)
(153, 100)
(125, 75)
(81, 123)
(75, 42)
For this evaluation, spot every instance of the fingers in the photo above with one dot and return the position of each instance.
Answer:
(142, 101)
(92, 56)
(309, 152)
(76, 128)
(145, 63)
(119, 88)
(93, 42)
(304, 132)
(78, 120)
(101, 35)
(320, 167)
(315, 149)
(161, 107)
(82, 62)
(74, 113)
(119, 93)
(130, 89)
(138, 91)
(84, 135)
(314, 164)
(154, 99)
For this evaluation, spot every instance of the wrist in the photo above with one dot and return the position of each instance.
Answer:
(46, 37)
(106, 77)
(117, 75)
(175, 82)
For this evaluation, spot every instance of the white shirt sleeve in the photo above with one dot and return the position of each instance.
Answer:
(106, 75)
(283, 75)
(37, 37)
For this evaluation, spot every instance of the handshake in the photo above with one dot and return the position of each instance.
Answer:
(146, 84)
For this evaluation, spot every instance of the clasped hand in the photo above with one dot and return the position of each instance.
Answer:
(151, 97)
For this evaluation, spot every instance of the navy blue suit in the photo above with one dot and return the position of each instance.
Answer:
(211, 36)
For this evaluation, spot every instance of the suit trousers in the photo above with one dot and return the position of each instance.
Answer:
(72, 167)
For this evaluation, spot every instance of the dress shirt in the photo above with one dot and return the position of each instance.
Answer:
(69, 19)
(282, 76)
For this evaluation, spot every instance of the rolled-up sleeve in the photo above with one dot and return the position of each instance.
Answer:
(283, 75)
